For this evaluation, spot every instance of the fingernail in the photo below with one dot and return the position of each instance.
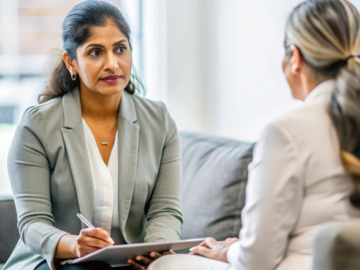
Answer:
(191, 249)
(138, 258)
(129, 261)
(152, 254)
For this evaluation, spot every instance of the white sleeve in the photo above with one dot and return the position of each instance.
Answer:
(273, 201)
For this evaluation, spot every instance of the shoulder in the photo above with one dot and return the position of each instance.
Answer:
(146, 106)
(154, 115)
(43, 110)
(152, 110)
(300, 125)
(38, 116)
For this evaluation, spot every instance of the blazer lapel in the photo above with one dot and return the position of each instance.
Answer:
(128, 144)
(75, 143)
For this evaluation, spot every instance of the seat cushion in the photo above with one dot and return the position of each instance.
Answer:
(9, 234)
(213, 185)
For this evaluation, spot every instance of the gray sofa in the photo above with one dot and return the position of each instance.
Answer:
(213, 195)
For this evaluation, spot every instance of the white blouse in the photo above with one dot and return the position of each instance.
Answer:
(296, 183)
(105, 181)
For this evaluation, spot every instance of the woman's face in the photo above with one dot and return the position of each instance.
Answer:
(103, 62)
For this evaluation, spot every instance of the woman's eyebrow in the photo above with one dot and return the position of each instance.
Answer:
(102, 46)
(119, 42)
(94, 45)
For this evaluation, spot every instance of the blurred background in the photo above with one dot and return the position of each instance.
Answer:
(215, 63)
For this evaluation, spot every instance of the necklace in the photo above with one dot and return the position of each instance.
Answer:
(103, 142)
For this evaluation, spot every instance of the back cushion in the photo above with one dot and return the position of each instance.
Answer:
(214, 182)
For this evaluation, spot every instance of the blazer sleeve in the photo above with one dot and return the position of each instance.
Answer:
(164, 216)
(29, 174)
(273, 202)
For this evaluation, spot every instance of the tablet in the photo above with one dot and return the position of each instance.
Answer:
(118, 255)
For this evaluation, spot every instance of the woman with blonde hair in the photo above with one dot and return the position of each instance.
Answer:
(306, 167)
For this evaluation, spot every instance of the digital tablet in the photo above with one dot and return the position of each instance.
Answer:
(118, 255)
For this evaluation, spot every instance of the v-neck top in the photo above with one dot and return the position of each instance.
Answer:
(105, 181)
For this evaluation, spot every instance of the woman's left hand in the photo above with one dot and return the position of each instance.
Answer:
(141, 262)
(213, 249)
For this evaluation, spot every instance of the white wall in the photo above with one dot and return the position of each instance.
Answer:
(224, 65)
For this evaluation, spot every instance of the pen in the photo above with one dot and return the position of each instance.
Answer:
(85, 221)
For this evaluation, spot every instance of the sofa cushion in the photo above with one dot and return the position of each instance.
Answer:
(213, 185)
(9, 234)
(337, 246)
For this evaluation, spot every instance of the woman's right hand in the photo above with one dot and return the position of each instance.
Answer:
(88, 241)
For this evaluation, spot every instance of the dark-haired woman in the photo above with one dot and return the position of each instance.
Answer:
(92, 147)
(306, 167)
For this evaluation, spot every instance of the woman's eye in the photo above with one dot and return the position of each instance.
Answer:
(121, 49)
(95, 53)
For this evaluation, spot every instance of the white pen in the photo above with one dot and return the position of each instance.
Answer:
(85, 221)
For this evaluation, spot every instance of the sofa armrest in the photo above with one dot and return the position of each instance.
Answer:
(337, 246)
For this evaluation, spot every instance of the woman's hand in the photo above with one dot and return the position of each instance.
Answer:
(213, 249)
(89, 240)
(141, 262)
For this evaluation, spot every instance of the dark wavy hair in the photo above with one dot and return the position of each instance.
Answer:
(75, 31)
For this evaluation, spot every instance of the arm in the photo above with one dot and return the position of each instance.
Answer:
(164, 215)
(273, 202)
(29, 174)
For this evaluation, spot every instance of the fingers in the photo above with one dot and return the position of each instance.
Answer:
(169, 252)
(93, 242)
(202, 244)
(204, 251)
(210, 242)
(90, 240)
(84, 250)
(135, 265)
(231, 240)
(143, 260)
(98, 233)
(155, 255)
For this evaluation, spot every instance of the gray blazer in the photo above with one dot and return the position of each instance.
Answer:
(51, 179)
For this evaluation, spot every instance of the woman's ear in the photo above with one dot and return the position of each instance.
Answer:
(69, 63)
(296, 61)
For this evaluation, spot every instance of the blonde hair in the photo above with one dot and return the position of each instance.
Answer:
(327, 33)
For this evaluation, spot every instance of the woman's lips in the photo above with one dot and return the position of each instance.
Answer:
(111, 79)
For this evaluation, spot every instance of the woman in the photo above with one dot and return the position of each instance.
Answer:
(306, 166)
(92, 147)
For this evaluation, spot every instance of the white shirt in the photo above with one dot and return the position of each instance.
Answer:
(296, 183)
(105, 181)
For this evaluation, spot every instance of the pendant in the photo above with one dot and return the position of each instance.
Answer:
(104, 143)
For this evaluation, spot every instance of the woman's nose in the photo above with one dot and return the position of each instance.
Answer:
(111, 63)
